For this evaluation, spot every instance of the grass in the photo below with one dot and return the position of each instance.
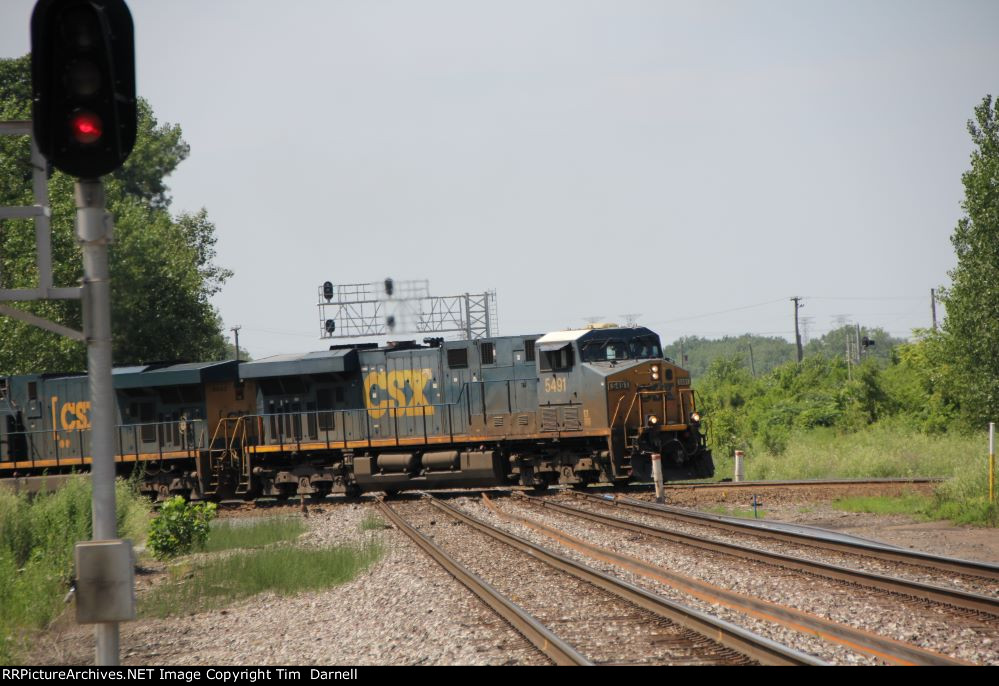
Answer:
(882, 452)
(282, 569)
(876, 452)
(372, 522)
(227, 534)
(37, 536)
(738, 512)
(913, 504)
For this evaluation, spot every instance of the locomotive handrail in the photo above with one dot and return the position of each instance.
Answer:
(38, 440)
(280, 436)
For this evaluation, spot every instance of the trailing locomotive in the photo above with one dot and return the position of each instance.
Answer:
(571, 407)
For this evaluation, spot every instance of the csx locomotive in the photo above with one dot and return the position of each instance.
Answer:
(571, 407)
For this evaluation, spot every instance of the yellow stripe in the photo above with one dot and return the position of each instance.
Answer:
(76, 461)
(322, 445)
(391, 442)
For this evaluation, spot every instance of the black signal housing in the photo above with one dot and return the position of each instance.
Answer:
(84, 109)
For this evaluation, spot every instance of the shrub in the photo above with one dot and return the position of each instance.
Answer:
(180, 527)
(37, 536)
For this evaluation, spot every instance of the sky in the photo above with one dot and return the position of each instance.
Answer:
(696, 164)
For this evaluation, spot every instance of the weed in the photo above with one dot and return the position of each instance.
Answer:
(180, 527)
(738, 512)
(888, 451)
(252, 533)
(372, 522)
(280, 569)
(37, 536)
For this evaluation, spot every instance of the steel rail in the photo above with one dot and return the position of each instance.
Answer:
(729, 635)
(913, 557)
(860, 640)
(557, 650)
(915, 589)
(807, 482)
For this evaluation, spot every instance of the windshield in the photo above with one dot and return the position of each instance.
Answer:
(646, 348)
(612, 349)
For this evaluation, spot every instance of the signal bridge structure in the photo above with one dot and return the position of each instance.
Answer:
(388, 308)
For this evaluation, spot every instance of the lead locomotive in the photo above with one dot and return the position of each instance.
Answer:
(571, 407)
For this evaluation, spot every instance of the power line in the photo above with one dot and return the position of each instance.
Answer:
(281, 333)
(867, 297)
(711, 314)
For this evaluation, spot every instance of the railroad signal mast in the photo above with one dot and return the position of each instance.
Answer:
(390, 307)
(84, 120)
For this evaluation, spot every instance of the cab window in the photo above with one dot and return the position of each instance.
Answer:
(645, 348)
(557, 360)
(606, 351)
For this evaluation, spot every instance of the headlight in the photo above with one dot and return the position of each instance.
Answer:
(653, 420)
(655, 375)
(695, 417)
(655, 369)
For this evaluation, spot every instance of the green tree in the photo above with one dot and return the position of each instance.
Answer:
(972, 322)
(163, 269)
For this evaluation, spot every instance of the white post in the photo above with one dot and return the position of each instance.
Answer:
(992, 462)
(94, 234)
(740, 467)
(657, 476)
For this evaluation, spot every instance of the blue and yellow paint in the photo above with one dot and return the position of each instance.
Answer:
(408, 389)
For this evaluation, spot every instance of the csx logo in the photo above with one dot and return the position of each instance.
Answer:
(72, 416)
(404, 388)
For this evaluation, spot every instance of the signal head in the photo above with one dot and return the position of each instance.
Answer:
(84, 109)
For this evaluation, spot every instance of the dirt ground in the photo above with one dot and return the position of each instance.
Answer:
(813, 506)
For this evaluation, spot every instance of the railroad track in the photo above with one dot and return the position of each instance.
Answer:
(880, 647)
(925, 593)
(802, 483)
(545, 640)
(803, 535)
(666, 628)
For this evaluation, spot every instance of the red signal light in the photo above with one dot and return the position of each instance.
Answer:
(87, 127)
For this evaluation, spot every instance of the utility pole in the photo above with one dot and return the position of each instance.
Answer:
(797, 331)
(752, 363)
(860, 351)
(235, 331)
(849, 356)
(933, 306)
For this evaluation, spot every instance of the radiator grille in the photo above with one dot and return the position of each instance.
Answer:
(570, 419)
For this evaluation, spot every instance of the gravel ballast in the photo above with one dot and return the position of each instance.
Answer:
(404, 610)
(972, 640)
(407, 610)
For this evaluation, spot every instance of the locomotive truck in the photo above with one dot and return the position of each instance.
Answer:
(570, 407)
